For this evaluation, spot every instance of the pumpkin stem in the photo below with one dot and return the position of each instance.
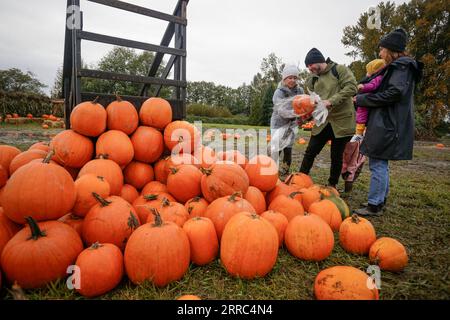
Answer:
(196, 199)
(133, 222)
(49, 156)
(36, 233)
(95, 100)
(103, 156)
(232, 198)
(103, 202)
(150, 197)
(118, 98)
(158, 220)
(254, 216)
(173, 170)
(293, 194)
(95, 245)
(288, 179)
(101, 178)
(355, 218)
(206, 171)
(165, 202)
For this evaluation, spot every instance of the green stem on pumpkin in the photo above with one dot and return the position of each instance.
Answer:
(49, 156)
(36, 233)
(95, 245)
(103, 202)
(150, 197)
(355, 218)
(158, 220)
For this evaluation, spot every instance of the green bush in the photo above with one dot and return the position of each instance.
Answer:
(238, 120)
(201, 110)
(24, 103)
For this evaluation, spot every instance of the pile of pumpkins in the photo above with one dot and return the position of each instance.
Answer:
(132, 193)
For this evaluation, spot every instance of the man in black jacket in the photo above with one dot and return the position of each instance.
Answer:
(390, 126)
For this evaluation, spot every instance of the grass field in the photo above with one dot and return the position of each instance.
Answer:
(418, 215)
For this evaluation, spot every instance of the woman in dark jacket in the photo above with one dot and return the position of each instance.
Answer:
(390, 126)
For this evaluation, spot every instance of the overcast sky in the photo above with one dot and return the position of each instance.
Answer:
(226, 40)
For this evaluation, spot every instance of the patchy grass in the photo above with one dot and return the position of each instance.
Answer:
(417, 214)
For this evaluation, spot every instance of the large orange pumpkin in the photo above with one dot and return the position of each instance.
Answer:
(223, 178)
(328, 211)
(309, 238)
(156, 112)
(40, 253)
(279, 221)
(183, 182)
(7, 230)
(256, 198)
(101, 269)
(309, 196)
(85, 186)
(154, 187)
(7, 153)
(138, 174)
(148, 144)
(24, 158)
(160, 170)
(111, 220)
(44, 146)
(302, 104)
(299, 180)
(262, 172)
(3, 176)
(122, 116)
(280, 188)
(158, 252)
(72, 149)
(290, 206)
(107, 169)
(42, 190)
(222, 209)
(202, 239)
(88, 118)
(181, 137)
(196, 207)
(249, 246)
(389, 254)
(356, 235)
(129, 193)
(117, 145)
(344, 283)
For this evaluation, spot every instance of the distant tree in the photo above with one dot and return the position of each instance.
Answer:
(15, 80)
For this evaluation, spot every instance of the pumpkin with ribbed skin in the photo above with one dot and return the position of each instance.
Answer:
(42, 190)
(138, 174)
(222, 209)
(299, 180)
(7, 230)
(279, 221)
(171, 211)
(88, 118)
(148, 144)
(3, 176)
(196, 207)
(158, 252)
(202, 239)
(177, 160)
(7, 153)
(85, 186)
(156, 112)
(309, 196)
(107, 169)
(44, 146)
(122, 116)
(356, 235)
(256, 198)
(111, 220)
(280, 188)
(389, 254)
(222, 179)
(154, 187)
(101, 269)
(129, 193)
(181, 137)
(262, 172)
(160, 170)
(40, 253)
(290, 206)
(206, 156)
(72, 149)
(344, 283)
(309, 238)
(117, 145)
(244, 235)
(25, 158)
(74, 221)
(328, 211)
(145, 202)
(183, 182)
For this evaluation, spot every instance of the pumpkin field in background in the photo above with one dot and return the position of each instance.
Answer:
(137, 195)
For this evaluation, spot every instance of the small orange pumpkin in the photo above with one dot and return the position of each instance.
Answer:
(302, 104)
(389, 254)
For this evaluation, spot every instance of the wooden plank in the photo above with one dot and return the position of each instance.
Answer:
(141, 10)
(90, 36)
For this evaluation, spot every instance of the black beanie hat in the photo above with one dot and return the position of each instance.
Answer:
(314, 56)
(395, 41)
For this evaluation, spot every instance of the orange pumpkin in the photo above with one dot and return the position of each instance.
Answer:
(72, 149)
(344, 283)
(389, 254)
(156, 112)
(290, 206)
(279, 221)
(440, 145)
(40, 253)
(309, 238)
(244, 235)
(222, 179)
(183, 182)
(202, 239)
(145, 202)
(222, 209)
(303, 104)
(280, 188)
(299, 180)
(154, 187)
(160, 170)
(309, 196)
(88, 118)
(171, 211)
(44, 146)
(196, 207)
(181, 137)
(7, 230)
(138, 174)
(3, 176)
(233, 155)
(356, 235)
(45, 126)
(85, 186)
(129, 193)
(107, 169)
(158, 252)
(122, 116)
(101, 269)
(256, 199)
(189, 297)
(206, 156)
(7, 153)
(148, 144)
(25, 158)
(74, 221)
(117, 145)
(328, 211)
(262, 172)
(111, 220)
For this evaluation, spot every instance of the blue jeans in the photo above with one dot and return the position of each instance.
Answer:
(379, 181)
